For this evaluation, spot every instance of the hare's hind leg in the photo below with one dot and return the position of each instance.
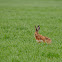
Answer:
(44, 41)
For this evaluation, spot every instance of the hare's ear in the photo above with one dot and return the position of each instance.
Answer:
(35, 28)
(38, 27)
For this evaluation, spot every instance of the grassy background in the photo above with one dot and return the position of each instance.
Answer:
(17, 21)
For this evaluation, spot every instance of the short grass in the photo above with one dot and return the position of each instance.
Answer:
(17, 26)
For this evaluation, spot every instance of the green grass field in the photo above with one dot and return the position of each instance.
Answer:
(17, 26)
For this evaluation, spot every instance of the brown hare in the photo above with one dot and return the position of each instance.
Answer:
(41, 38)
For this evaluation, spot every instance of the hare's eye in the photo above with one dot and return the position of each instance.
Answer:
(35, 34)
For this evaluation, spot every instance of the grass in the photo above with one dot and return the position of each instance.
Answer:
(17, 26)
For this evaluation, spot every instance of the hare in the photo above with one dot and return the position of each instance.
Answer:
(41, 38)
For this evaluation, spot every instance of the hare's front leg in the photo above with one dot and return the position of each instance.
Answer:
(38, 41)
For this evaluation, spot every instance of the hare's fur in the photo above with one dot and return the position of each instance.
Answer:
(39, 38)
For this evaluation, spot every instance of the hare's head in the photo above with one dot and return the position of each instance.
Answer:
(36, 30)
